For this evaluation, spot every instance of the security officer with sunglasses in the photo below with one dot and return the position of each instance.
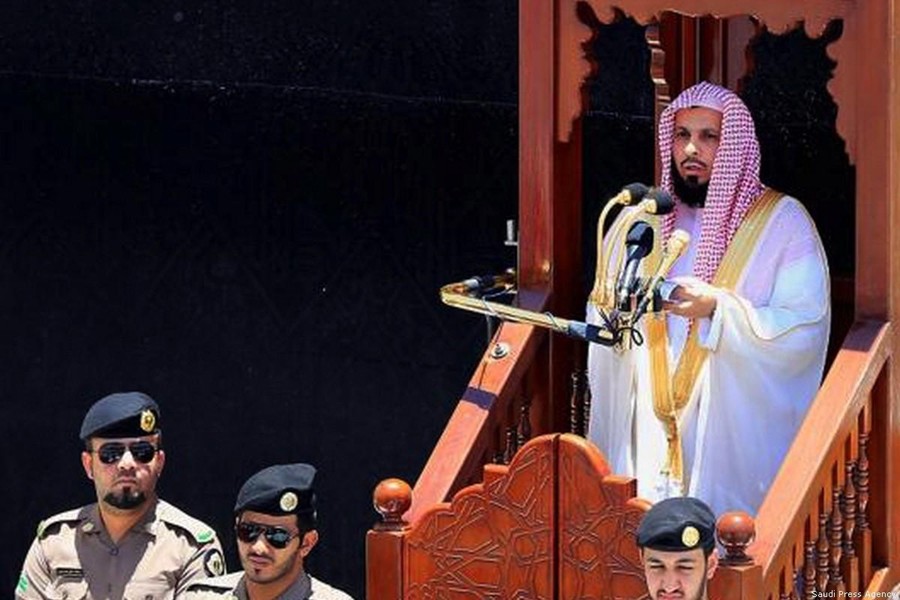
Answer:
(129, 544)
(275, 525)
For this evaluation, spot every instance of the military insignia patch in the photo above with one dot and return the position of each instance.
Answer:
(288, 501)
(22, 586)
(214, 563)
(70, 573)
(690, 536)
(148, 421)
(205, 536)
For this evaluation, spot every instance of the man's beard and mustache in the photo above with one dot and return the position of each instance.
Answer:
(689, 190)
(129, 498)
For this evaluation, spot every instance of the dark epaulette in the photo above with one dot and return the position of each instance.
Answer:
(200, 531)
(50, 525)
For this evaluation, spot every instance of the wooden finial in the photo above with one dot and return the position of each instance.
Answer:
(735, 531)
(391, 498)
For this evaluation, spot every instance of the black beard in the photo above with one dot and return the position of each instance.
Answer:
(690, 191)
(127, 500)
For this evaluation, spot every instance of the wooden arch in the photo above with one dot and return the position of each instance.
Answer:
(575, 65)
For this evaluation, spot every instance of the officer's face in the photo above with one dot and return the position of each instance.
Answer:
(696, 142)
(681, 575)
(265, 564)
(124, 470)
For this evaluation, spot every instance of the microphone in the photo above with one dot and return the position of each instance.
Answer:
(483, 283)
(638, 244)
(674, 249)
(591, 333)
(630, 194)
(658, 202)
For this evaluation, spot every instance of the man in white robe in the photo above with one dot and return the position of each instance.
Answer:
(755, 330)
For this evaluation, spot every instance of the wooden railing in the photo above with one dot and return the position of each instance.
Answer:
(814, 530)
(501, 408)
(818, 530)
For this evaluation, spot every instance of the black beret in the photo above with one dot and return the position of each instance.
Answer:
(128, 414)
(281, 490)
(678, 524)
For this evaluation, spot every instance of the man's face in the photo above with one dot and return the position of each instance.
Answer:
(124, 470)
(265, 564)
(681, 575)
(694, 145)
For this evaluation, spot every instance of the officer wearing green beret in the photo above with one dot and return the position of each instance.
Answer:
(275, 525)
(129, 544)
(677, 542)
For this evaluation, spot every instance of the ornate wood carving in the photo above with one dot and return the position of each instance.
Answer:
(862, 484)
(809, 570)
(823, 552)
(735, 531)
(598, 557)
(574, 34)
(660, 85)
(577, 424)
(496, 540)
(391, 498)
(524, 421)
(849, 506)
(512, 441)
(586, 410)
(836, 534)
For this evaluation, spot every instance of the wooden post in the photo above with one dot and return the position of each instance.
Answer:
(384, 543)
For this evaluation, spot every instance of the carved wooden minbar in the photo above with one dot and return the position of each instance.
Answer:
(830, 521)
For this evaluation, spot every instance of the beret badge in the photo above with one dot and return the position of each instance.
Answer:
(690, 537)
(148, 421)
(288, 502)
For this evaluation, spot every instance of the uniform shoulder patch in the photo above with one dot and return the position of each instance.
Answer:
(22, 586)
(70, 516)
(200, 531)
(214, 563)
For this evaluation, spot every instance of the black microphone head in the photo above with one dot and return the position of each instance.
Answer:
(662, 204)
(636, 192)
(639, 239)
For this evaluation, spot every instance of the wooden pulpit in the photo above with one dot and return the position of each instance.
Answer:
(508, 506)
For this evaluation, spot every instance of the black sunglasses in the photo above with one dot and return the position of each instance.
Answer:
(277, 537)
(112, 452)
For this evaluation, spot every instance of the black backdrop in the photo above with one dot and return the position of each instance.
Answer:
(246, 211)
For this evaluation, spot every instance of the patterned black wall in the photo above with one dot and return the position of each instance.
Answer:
(802, 152)
(246, 210)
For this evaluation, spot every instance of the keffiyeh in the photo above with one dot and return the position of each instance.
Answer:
(735, 172)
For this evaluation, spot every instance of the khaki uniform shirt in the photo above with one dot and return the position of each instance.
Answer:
(74, 558)
(234, 587)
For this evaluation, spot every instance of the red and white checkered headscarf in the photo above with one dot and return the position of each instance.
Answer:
(735, 172)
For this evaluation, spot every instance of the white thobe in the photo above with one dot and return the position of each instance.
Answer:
(767, 341)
